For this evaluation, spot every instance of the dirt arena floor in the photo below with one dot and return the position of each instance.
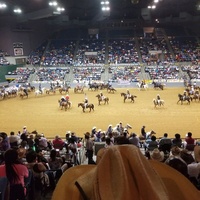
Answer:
(42, 113)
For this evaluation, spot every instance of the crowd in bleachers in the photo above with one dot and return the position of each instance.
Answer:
(166, 72)
(90, 51)
(92, 73)
(51, 74)
(125, 73)
(185, 49)
(122, 51)
(60, 52)
(22, 74)
(49, 159)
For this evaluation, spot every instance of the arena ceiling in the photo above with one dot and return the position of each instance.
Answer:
(90, 10)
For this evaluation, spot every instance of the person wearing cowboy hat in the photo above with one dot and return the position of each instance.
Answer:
(89, 144)
(133, 173)
(86, 101)
(93, 132)
(158, 155)
(128, 93)
(158, 98)
(102, 96)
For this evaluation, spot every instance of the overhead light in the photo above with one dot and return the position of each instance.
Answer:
(53, 3)
(17, 10)
(3, 5)
(105, 8)
(156, 1)
(60, 9)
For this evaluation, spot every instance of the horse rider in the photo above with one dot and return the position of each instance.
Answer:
(102, 96)
(40, 88)
(67, 97)
(128, 93)
(184, 95)
(25, 91)
(158, 98)
(86, 102)
(51, 86)
(142, 84)
(62, 100)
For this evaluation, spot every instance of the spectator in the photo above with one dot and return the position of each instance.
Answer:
(134, 140)
(89, 148)
(153, 144)
(15, 172)
(158, 155)
(58, 143)
(143, 132)
(4, 142)
(190, 142)
(165, 144)
(14, 140)
(177, 140)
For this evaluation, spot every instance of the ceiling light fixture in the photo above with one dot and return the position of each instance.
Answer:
(3, 5)
(53, 3)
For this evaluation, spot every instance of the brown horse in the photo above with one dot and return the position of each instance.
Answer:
(106, 99)
(182, 98)
(66, 90)
(48, 91)
(79, 89)
(65, 104)
(131, 97)
(90, 106)
(111, 89)
(22, 94)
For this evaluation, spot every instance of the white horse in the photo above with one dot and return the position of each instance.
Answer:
(160, 102)
(38, 92)
(144, 87)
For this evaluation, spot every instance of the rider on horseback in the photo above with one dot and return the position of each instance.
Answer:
(184, 95)
(40, 88)
(67, 97)
(158, 98)
(25, 91)
(128, 94)
(102, 96)
(86, 101)
(142, 84)
(62, 100)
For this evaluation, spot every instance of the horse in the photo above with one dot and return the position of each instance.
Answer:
(144, 87)
(65, 104)
(111, 89)
(89, 106)
(158, 103)
(93, 86)
(158, 85)
(38, 92)
(182, 98)
(131, 97)
(50, 90)
(64, 89)
(196, 97)
(106, 99)
(22, 94)
(79, 88)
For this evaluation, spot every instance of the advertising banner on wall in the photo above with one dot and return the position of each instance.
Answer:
(18, 49)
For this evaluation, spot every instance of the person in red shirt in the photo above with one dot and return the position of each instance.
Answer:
(190, 142)
(67, 97)
(58, 143)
